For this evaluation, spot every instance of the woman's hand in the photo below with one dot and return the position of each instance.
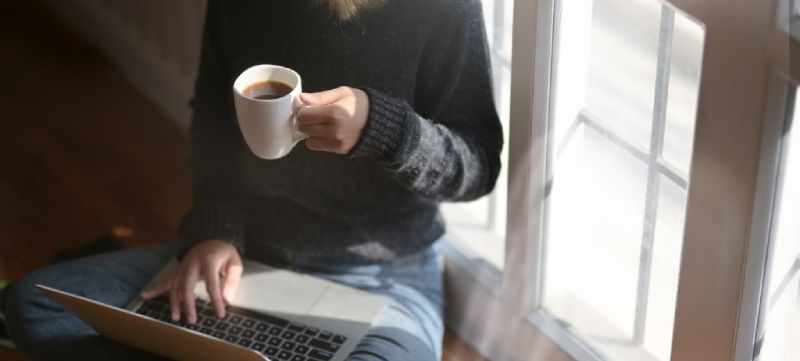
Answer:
(217, 263)
(333, 119)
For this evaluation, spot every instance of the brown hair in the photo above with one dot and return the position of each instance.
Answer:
(347, 9)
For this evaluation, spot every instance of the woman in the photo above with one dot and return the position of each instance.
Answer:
(400, 118)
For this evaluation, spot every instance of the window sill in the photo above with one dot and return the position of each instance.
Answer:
(468, 261)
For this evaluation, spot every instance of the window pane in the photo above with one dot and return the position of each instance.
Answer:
(663, 283)
(615, 210)
(684, 77)
(622, 65)
(595, 228)
(780, 330)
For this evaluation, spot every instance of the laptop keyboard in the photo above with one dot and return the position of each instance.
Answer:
(277, 338)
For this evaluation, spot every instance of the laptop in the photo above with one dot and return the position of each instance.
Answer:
(277, 315)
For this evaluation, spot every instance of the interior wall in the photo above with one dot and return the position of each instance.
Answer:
(156, 44)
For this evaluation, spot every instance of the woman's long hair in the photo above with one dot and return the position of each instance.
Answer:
(347, 9)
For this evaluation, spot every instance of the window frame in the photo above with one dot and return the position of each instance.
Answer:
(657, 166)
(782, 91)
(720, 201)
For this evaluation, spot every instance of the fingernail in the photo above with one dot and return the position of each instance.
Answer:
(175, 317)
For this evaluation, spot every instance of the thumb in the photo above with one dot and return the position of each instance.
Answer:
(157, 290)
(233, 273)
(323, 97)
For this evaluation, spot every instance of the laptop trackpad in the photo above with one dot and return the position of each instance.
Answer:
(295, 295)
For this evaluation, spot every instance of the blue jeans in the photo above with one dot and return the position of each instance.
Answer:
(409, 329)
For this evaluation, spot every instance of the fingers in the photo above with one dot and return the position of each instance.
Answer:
(327, 128)
(206, 260)
(211, 272)
(323, 144)
(233, 273)
(325, 97)
(330, 106)
(174, 300)
(171, 285)
(316, 130)
(187, 289)
(334, 119)
(325, 114)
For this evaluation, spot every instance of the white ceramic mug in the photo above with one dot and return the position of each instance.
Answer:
(269, 125)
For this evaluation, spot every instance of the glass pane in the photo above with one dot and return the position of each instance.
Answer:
(595, 230)
(622, 65)
(780, 330)
(615, 210)
(684, 80)
(663, 285)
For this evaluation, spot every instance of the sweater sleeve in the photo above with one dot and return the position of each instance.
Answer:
(217, 210)
(448, 147)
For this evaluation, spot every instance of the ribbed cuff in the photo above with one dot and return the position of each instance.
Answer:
(390, 126)
(206, 223)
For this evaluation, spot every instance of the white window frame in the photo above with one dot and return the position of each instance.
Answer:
(772, 148)
(709, 321)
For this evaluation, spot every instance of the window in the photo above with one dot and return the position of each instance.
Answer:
(769, 325)
(631, 176)
(789, 18)
(779, 324)
(771, 319)
(621, 128)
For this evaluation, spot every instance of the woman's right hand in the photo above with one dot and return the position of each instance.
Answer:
(217, 263)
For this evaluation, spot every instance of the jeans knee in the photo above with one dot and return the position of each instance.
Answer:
(393, 344)
(23, 302)
(23, 294)
(23, 290)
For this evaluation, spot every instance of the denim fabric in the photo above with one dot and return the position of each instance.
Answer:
(409, 329)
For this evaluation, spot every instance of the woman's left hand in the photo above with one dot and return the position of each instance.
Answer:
(333, 119)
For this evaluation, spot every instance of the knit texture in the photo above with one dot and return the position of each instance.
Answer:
(387, 127)
(432, 133)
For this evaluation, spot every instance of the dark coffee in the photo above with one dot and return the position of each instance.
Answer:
(268, 89)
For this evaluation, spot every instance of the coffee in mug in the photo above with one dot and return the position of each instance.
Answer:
(267, 98)
(268, 89)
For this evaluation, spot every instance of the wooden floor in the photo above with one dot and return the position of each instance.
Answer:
(83, 154)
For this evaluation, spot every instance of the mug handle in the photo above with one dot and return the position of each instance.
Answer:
(297, 135)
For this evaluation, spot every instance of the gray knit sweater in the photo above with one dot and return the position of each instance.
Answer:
(432, 133)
